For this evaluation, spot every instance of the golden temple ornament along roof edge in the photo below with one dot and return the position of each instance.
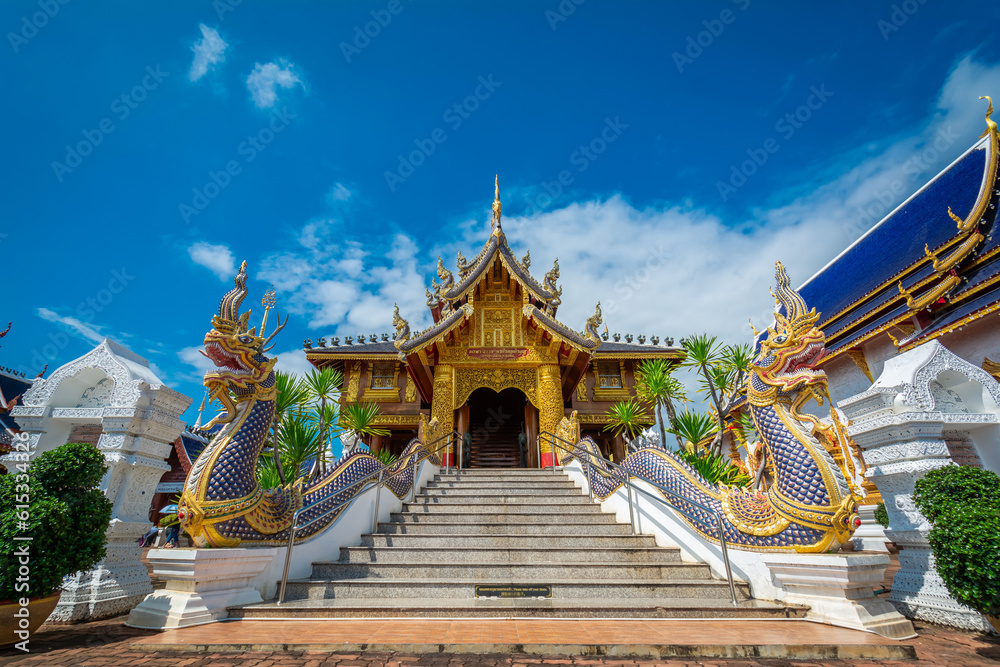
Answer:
(987, 141)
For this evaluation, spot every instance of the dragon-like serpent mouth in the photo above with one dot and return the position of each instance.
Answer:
(806, 360)
(224, 360)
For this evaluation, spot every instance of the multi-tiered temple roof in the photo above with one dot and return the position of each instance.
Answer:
(929, 267)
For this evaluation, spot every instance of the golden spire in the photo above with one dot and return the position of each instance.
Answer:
(497, 206)
(268, 302)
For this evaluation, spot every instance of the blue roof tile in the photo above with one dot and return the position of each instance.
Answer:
(898, 240)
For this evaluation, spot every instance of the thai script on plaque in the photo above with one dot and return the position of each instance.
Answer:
(497, 353)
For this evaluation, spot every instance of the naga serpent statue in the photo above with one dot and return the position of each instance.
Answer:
(811, 505)
(222, 503)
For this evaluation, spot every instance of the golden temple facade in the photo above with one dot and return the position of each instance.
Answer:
(496, 364)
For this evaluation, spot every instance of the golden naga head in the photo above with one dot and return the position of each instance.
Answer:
(793, 345)
(236, 351)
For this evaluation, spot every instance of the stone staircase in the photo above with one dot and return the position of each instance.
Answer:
(503, 527)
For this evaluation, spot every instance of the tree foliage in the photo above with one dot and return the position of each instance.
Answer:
(963, 504)
(627, 417)
(67, 518)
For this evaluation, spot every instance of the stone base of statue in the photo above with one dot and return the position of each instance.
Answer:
(870, 536)
(839, 590)
(201, 585)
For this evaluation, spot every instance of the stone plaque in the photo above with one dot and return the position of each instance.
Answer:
(514, 591)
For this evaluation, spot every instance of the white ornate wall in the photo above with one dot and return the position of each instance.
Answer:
(927, 409)
(113, 389)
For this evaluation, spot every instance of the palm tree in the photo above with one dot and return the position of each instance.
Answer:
(655, 383)
(291, 396)
(723, 371)
(627, 417)
(361, 418)
(323, 387)
(299, 443)
(693, 427)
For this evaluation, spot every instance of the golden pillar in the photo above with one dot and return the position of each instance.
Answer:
(550, 406)
(443, 407)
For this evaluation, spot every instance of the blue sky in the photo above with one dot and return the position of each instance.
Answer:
(150, 148)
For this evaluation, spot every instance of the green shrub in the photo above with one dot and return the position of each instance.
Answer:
(963, 504)
(946, 487)
(387, 458)
(881, 515)
(66, 518)
(715, 469)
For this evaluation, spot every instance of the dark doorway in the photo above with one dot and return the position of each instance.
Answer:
(495, 421)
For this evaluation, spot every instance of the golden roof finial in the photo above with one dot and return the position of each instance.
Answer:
(268, 301)
(497, 206)
(991, 124)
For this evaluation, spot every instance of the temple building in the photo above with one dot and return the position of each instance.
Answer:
(930, 270)
(496, 362)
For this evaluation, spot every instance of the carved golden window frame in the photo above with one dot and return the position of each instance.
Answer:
(610, 393)
(382, 395)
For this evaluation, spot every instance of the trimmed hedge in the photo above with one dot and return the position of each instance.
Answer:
(67, 518)
(963, 505)
(881, 515)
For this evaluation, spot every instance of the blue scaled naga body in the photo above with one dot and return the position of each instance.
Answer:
(811, 504)
(222, 504)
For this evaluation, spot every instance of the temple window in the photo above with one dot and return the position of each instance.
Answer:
(384, 375)
(609, 375)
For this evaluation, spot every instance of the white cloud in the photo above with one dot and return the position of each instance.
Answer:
(216, 258)
(294, 361)
(208, 52)
(339, 192)
(265, 79)
(80, 328)
(666, 270)
(193, 356)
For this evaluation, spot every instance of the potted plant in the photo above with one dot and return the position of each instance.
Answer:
(55, 502)
(963, 505)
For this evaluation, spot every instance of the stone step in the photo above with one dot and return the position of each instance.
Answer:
(553, 484)
(594, 607)
(506, 555)
(463, 514)
(486, 572)
(513, 472)
(524, 504)
(426, 524)
(508, 541)
(458, 588)
(564, 494)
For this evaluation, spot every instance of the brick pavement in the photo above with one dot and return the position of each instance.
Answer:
(107, 643)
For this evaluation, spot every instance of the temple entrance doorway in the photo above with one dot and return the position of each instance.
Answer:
(494, 423)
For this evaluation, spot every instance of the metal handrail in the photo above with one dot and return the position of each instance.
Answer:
(430, 450)
(618, 468)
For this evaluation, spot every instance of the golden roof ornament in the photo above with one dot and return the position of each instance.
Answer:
(497, 206)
